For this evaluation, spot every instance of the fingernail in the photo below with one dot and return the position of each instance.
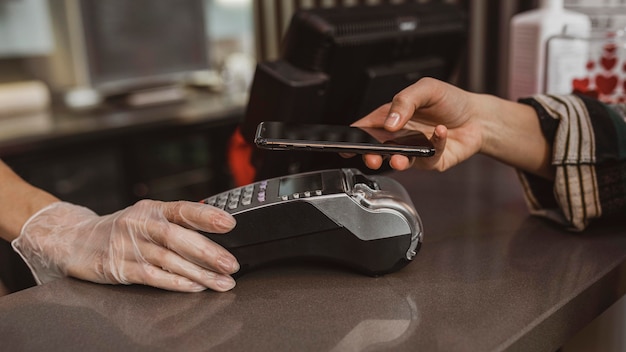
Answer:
(392, 120)
(225, 221)
(225, 282)
(228, 265)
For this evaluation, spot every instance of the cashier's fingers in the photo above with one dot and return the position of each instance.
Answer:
(199, 216)
(151, 275)
(168, 270)
(195, 248)
(151, 260)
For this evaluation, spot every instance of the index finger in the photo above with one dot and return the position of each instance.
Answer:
(198, 249)
(199, 216)
(408, 101)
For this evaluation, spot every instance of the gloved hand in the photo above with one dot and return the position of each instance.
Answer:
(151, 243)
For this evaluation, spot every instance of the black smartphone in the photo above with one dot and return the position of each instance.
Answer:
(277, 135)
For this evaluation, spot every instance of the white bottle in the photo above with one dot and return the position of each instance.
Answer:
(530, 31)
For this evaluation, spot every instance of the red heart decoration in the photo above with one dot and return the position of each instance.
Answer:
(610, 47)
(590, 65)
(608, 62)
(580, 85)
(606, 84)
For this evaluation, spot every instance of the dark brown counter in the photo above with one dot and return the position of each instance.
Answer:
(488, 278)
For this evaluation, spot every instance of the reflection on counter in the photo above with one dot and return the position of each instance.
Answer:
(125, 316)
(380, 333)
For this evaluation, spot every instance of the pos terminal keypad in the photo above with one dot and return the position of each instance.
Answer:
(241, 196)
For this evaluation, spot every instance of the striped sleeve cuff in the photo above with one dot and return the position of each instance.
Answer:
(588, 139)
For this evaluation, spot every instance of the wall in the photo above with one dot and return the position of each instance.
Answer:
(230, 29)
(24, 28)
(24, 31)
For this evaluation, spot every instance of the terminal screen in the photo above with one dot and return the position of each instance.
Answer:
(298, 184)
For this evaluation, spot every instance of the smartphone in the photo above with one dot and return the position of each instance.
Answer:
(277, 135)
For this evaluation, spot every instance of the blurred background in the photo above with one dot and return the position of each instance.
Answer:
(103, 103)
(254, 28)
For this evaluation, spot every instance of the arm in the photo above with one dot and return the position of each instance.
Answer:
(570, 150)
(462, 124)
(20, 201)
(153, 243)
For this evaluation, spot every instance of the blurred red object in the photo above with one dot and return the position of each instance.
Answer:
(239, 153)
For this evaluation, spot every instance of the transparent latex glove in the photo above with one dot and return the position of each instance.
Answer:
(152, 243)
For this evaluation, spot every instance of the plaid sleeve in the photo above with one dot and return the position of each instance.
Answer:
(589, 153)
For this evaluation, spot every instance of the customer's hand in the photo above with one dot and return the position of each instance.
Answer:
(461, 124)
(152, 243)
(438, 109)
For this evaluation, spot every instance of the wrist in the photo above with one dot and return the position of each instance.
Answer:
(20, 201)
(37, 213)
(483, 112)
(46, 239)
(492, 122)
(512, 134)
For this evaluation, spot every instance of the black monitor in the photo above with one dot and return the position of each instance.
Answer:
(142, 42)
(113, 47)
(338, 64)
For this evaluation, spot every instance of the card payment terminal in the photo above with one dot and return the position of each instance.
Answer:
(366, 223)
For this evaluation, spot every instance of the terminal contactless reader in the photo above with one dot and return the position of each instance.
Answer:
(367, 223)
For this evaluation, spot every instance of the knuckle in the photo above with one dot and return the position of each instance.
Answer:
(401, 98)
(176, 210)
(440, 168)
(145, 203)
(207, 251)
(427, 81)
(123, 220)
(177, 206)
(162, 226)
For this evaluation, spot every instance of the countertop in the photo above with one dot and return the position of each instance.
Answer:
(489, 277)
(58, 127)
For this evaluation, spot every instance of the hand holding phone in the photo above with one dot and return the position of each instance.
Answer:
(276, 135)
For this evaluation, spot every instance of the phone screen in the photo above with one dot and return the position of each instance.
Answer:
(339, 138)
